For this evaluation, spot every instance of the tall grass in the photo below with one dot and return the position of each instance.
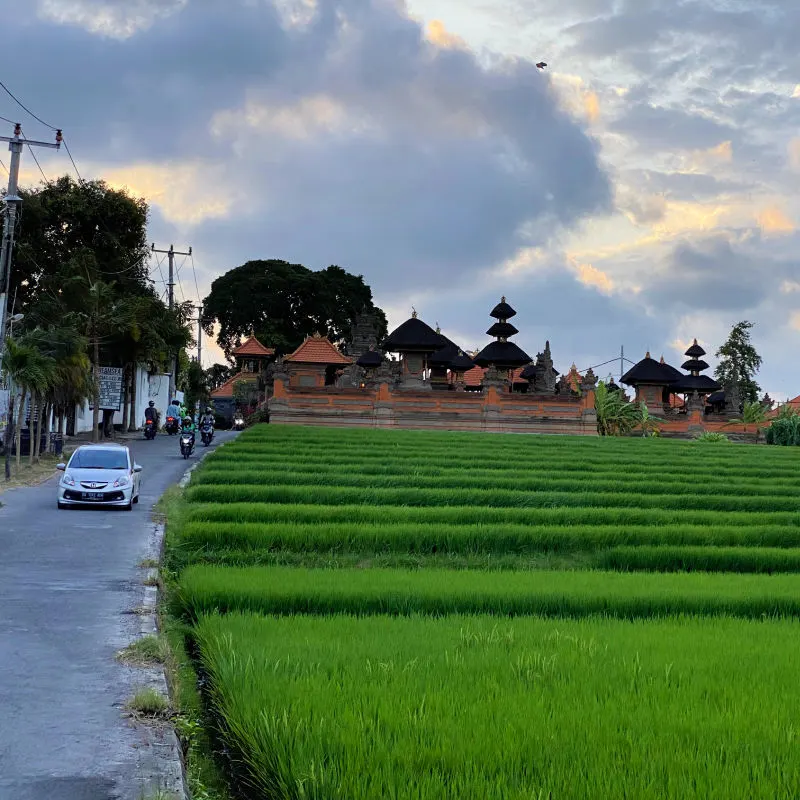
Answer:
(286, 590)
(469, 707)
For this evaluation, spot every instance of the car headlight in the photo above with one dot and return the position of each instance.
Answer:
(68, 480)
(120, 482)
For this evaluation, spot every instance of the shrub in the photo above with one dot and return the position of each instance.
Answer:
(711, 436)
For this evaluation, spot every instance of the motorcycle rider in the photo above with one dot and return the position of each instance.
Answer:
(207, 418)
(151, 413)
(188, 427)
(173, 409)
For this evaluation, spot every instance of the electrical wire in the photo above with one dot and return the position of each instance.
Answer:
(2, 164)
(74, 165)
(9, 121)
(25, 108)
(197, 288)
(30, 150)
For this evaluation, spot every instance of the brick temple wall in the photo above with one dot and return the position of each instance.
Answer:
(495, 411)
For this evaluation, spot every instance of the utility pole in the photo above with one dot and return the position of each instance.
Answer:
(199, 335)
(13, 200)
(621, 360)
(171, 253)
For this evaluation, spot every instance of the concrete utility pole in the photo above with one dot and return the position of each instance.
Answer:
(13, 201)
(171, 253)
(200, 335)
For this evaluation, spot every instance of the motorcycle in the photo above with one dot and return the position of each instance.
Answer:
(187, 444)
(206, 434)
(238, 422)
(149, 429)
(173, 425)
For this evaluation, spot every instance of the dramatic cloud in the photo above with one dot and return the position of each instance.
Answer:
(640, 191)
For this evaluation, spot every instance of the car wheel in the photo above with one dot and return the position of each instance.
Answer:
(128, 507)
(61, 505)
(136, 499)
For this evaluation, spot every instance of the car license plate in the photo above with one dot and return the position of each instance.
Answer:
(92, 495)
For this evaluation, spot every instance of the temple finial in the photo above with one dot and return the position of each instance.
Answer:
(503, 299)
(413, 312)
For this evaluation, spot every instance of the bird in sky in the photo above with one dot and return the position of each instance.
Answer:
(542, 64)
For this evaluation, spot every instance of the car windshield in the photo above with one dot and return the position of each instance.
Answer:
(99, 459)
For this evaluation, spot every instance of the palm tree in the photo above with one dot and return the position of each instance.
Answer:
(27, 371)
(646, 421)
(752, 414)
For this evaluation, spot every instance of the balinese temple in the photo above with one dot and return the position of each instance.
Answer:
(694, 381)
(502, 355)
(252, 359)
(415, 342)
(651, 380)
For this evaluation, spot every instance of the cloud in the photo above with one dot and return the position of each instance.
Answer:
(441, 37)
(793, 150)
(794, 320)
(701, 160)
(773, 220)
(591, 276)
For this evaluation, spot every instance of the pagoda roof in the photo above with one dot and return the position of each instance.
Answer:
(703, 384)
(370, 359)
(649, 371)
(252, 347)
(462, 363)
(317, 349)
(695, 351)
(226, 390)
(443, 357)
(670, 370)
(414, 335)
(502, 354)
(528, 373)
(502, 310)
(502, 329)
(694, 365)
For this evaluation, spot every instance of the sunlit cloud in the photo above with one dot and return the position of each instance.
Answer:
(702, 160)
(591, 276)
(773, 220)
(441, 37)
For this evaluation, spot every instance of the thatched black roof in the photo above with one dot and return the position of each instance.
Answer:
(502, 310)
(695, 351)
(504, 330)
(502, 354)
(413, 336)
(694, 365)
(461, 362)
(529, 373)
(370, 360)
(716, 397)
(443, 357)
(649, 371)
(702, 384)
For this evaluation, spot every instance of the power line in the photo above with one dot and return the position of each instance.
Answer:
(74, 165)
(30, 150)
(9, 121)
(25, 108)
(197, 288)
(2, 164)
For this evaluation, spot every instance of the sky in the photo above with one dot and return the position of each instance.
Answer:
(637, 193)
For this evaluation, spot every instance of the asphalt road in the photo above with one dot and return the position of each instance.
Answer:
(68, 582)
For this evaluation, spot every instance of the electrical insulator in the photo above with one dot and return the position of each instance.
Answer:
(17, 129)
(59, 137)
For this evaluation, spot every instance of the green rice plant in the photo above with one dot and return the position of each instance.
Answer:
(500, 498)
(306, 512)
(475, 707)
(675, 558)
(475, 538)
(286, 590)
(711, 436)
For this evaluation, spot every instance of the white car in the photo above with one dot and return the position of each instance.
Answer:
(100, 474)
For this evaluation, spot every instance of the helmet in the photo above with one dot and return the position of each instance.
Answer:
(208, 410)
(152, 404)
(187, 420)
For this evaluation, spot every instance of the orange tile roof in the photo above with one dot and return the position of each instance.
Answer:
(474, 376)
(226, 390)
(252, 347)
(318, 350)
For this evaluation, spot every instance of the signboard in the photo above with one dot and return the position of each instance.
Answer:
(4, 396)
(110, 388)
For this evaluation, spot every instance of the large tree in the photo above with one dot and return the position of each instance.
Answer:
(283, 303)
(739, 363)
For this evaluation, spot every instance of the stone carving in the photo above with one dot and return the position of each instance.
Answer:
(493, 377)
(279, 370)
(694, 402)
(544, 381)
(589, 381)
(363, 335)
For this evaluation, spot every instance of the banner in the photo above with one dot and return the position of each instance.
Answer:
(110, 388)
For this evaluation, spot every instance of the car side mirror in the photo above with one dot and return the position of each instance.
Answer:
(137, 467)
(62, 467)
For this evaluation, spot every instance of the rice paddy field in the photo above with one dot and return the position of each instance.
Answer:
(414, 615)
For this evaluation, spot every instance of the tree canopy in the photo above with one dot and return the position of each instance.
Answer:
(739, 363)
(80, 275)
(283, 303)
